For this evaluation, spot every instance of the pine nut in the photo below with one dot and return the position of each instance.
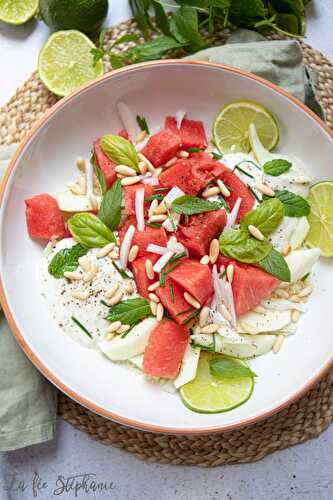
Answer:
(141, 135)
(149, 269)
(84, 263)
(259, 310)
(283, 294)
(115, 299)
(153, 297)
(223, 188)
(105, 250)
(214, 250)
(183, 154)
(81, 165)
(213, 191)
(143, 167)
(129, 288)
(152, 208)
(171, 162)
(76, 189)
(114, 255)
(295, 298)
(76, 294)
(91, 273)
(295, 315)
(265, 189)
(113, 327)
(123, 328)
(158, 218)
(133, 253)
(230, 272)
(278, 344)
(149, 165)
(205, 259)
(305, 292)
(255, 232)
(161, 209)
(203, 318)
(211, 328)
(109, 336)
(191, 300)
(73, 275)
(159, 312)
(153, 307)
(111, 291)
(287, 249)
(125, 170)
(129, 181)
(153, 286)
(225, 313)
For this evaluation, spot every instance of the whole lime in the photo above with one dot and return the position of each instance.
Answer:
(82, 15)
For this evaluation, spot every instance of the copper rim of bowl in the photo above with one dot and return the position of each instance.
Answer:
(39, 364)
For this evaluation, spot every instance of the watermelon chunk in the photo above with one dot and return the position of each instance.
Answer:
(142, 239)
(199, 231)
(140, 276)
(129, 194)
(192, 133)
(237, 190)
(194, 278)
(123, 133)
(250, 285)
(105, 164)
(162, 146)
(172, 297)
(44, 219)
(165, 350)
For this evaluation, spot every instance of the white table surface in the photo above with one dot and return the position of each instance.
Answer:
(303, 472)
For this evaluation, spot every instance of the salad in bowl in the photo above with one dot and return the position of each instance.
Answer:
(182, 255)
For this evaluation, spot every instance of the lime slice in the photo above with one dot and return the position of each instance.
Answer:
(320, 218)
(65, 62)
(16, 11)
(207, 394)
(231, 127)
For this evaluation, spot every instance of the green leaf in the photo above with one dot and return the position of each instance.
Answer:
(97, 55)
(142, 122)
(140, 12)
(241, 13)
(276, 167)
(66, 260)
(110, 210)
(217, 156)
(161, 19)
(130, 311)
(185, 27)
(221, 367)
(124, 39)
(189, 205)
(98, 174)
(267, 217)
(240, 245)
(274, 263)
(116, 61)
(294, 205)
(151, 50)
(120, 150)
(121, 271)
(90, 231)
(102, 36)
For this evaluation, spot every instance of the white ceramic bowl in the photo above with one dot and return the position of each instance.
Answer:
(44, 163)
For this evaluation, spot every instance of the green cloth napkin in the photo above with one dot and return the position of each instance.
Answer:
(27, 400)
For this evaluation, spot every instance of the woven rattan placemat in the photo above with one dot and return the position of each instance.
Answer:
(301, 421)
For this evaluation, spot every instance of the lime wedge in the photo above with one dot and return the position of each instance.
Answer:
(231, 127)
(65, 62)
(17, 11)
(320, 218)
(207, 394)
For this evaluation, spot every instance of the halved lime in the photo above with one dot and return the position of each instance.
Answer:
(207, 394)
(320, 218)
(231, 127)
(17, 11)
(65, 62)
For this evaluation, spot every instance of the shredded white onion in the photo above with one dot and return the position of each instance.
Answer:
(169, 226)
(162, 261)
(180, 115)
(283, 305)
(151, 181)
(223, 292)
(231, 218)
(175, 246)
(139, 209)
(126, 246)
(128, 119)
(157, 249)
(172, 195)
(140, 145)
(89, 178)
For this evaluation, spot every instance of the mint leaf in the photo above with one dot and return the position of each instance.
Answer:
(110, 209)
(120, 150)
(276, 167)
(190, 205)
(90, 231)
(124, 39)
(116, 61)
(267, 217)
(275, 264)
(161, 19)
(240, 245)
(97, 55)
(185, 27)
(66, 260)
(221, 367)
(294, 205)
(130, 311)
(151, 50)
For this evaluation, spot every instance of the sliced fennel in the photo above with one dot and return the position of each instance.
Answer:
(253, 345)
(188, 367)
(299, 234)
(272, 320)
(69, 202)
(301, 262)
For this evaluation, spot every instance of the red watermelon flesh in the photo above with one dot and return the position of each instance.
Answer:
(199, 231)
(192, 132)
(250, 285)
(237, 190)
(165, 350)
(123, 133)
(140, 276)
(44, 219)
(162, 146)
(194, 278)
(129, 193)
(142, 239)
(180, 175)
(105, 164)
(174, 301)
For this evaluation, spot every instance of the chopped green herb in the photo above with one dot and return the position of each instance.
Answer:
(254, 194)
(105, 303)
(83, 328)
(217, 156)
(305, 276)
(141, 120)
(237, 167)
(190, 309)
(222, 274)
(191, 316)
(172, 293)
(194, 150)
(157, 190)
(164, 273)
(130, 311)
(174, 258)
(122, 272)
(158, 197)
(156, 225)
